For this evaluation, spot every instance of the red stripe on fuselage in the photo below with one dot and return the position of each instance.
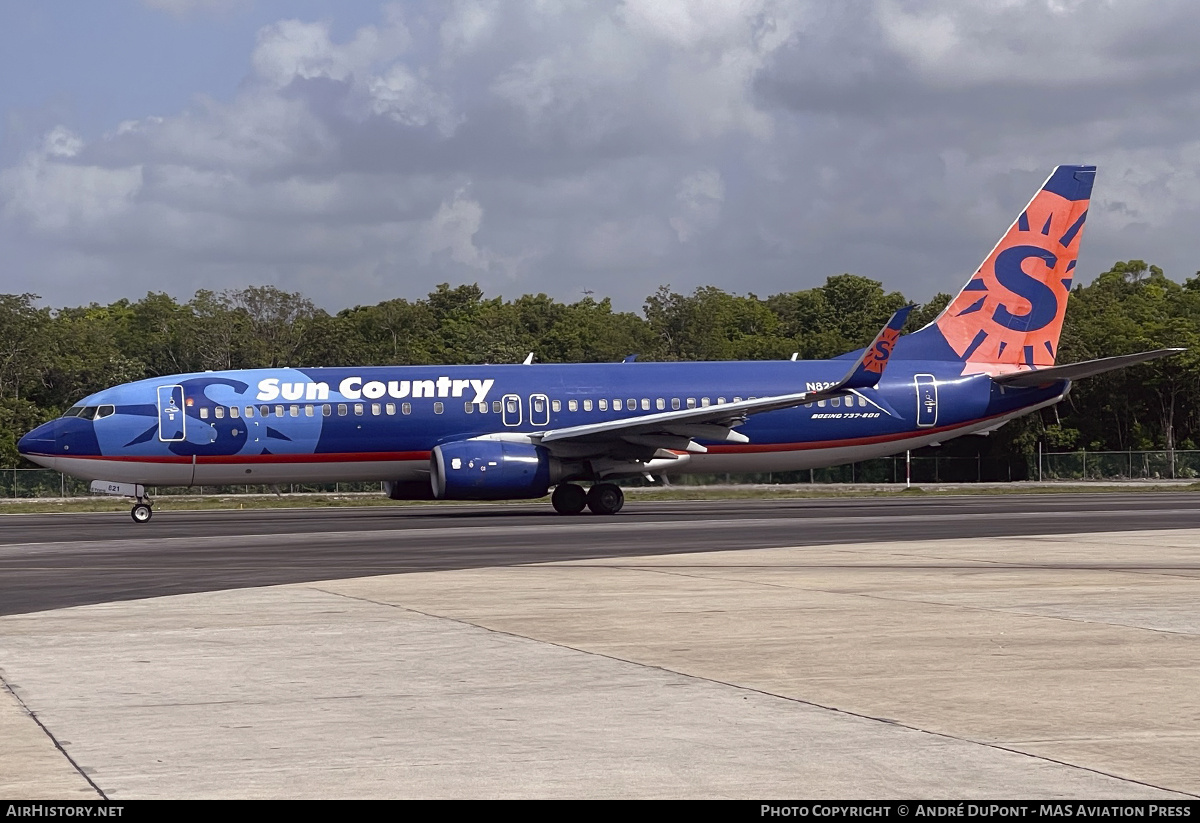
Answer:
(224, 459)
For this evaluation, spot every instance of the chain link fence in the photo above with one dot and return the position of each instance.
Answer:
(1128, 465)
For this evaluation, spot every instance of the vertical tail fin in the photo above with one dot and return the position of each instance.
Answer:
(1009, 315)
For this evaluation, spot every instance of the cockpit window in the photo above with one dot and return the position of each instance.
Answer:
(90, 412)
(86, 412)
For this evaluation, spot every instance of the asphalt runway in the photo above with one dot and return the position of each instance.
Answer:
(942, 647)
(61, 560)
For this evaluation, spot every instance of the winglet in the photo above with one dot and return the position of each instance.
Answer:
(874, 359)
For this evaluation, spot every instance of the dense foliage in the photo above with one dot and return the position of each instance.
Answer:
(50, 358)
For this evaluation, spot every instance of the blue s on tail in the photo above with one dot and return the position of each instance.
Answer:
(1008, 317)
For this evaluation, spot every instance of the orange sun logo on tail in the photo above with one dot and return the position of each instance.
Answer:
(1009, 316)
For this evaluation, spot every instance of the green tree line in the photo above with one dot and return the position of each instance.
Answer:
(50, 358)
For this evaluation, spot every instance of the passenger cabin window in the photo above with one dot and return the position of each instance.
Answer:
(358, 409)
(617, 404)
(376, 409)
(675, 403)
(438, 407)
(326, 410)
(294, 411)
(497, 407)
(406, 408)
(587, 405)
(279, 411)
(704, 401)
(660, 404)
(203, 414)
(219, 412)
(645, 404)
(469, 407)
(691, 402)
(235, 412)
(308, 410)
(631, 404)
(603, 403)
(556, 405)
(572, 405)
(343, 409)
(835, 401)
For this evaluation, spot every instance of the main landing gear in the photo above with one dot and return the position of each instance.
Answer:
(603, 498)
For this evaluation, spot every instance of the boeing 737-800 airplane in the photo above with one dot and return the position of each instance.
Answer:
(512, 432)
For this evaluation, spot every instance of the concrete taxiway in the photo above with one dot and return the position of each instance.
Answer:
(1020, 666)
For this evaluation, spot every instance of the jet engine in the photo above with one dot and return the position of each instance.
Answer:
(491, 470)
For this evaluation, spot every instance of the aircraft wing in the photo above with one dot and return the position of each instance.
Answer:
(1076, 371)
(675, 429)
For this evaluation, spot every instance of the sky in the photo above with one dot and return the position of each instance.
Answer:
(361, 151)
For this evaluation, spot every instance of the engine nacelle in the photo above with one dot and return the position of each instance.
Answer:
(491, 470)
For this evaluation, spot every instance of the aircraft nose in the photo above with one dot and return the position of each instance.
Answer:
(42, 440)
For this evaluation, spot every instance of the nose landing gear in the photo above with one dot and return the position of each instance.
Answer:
(141, 512)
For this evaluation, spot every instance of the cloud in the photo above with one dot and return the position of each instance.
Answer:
(452, 230)
(757, 146)
(55, 197)
(699, 197)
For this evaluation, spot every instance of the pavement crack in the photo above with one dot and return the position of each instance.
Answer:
(753, 690)
(45, 730)
(1016, 612)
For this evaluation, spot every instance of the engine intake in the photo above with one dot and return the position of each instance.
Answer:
(491, 470)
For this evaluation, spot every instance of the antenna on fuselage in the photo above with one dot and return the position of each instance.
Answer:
(795, 354)
(528, 359)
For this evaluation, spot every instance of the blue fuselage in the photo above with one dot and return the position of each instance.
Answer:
(381, 423)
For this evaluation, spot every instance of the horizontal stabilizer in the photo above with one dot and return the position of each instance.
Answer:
(1076, 371)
